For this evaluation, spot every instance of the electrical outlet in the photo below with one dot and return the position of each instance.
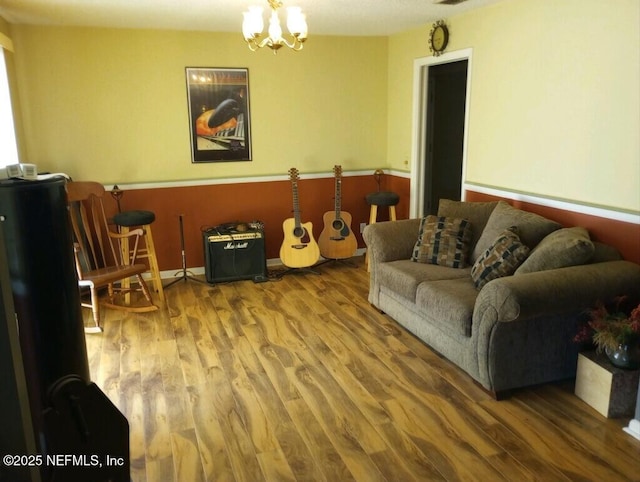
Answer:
(362, 226)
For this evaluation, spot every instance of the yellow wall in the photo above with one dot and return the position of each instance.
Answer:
(555, 97)
(110, 105)
(555, 104)
(4, 27)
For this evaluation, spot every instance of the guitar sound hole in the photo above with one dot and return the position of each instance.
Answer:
(302, 235)
(337, 224)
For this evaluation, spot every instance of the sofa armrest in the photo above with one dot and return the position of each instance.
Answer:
(523, 324)
(391, 240)
(388, 241)
(563, 290)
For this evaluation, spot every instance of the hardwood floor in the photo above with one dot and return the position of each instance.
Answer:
(301, 379)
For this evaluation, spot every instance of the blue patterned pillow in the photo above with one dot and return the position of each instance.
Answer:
(443, 241)
(502, 258)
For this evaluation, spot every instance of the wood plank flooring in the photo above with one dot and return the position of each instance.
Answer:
(301, 379)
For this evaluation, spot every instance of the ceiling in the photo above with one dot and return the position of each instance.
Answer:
(325, 17)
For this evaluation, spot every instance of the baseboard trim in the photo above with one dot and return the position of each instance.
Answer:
(199, 270)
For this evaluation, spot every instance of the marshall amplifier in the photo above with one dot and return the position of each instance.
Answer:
(235, 254)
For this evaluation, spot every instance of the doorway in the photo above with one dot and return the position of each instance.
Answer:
(446, 98)
(439, 144)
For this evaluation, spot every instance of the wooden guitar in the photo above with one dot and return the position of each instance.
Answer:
(337, 241)
(299, 249)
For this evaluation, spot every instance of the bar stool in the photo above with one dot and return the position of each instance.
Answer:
(128, 219)
(381, 198)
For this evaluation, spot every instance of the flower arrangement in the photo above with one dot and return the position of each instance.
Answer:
(611, 326)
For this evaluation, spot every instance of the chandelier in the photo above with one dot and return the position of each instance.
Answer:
(253, 25)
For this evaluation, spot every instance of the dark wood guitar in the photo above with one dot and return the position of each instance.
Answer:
(337, 241)
(299, 248)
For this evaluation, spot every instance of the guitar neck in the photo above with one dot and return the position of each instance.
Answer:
(296, 205)
(338, 200)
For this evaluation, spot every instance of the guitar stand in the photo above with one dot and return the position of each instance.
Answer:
(297, 270)
(338, 260)
(186, 274)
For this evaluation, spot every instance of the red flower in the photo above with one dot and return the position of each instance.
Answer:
(584, 334)
(608, 328)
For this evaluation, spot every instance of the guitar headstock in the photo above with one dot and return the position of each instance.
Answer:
(337, 171)
(294, 174)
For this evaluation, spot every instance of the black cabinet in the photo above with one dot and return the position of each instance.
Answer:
(69, 419)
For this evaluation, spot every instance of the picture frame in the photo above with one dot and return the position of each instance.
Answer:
(219, 114)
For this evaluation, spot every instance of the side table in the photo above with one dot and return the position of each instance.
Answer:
(611, 391)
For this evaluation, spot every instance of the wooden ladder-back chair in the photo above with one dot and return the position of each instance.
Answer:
(98, 254)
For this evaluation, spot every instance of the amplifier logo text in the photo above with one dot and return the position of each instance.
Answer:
(230, 245)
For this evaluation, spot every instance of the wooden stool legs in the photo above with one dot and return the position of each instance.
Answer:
(373, 214)
(149, 252)
(373, 217)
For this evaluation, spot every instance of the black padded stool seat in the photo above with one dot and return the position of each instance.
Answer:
(128, 219)
(383, 198)
(134, 218)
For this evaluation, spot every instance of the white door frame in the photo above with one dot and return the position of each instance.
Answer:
(418, 137)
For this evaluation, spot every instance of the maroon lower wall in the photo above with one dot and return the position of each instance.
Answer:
(271, 202)
(624, 236)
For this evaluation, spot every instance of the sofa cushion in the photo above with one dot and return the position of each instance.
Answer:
(604, 252)
(562, 248)
(532, 228)
(502, 258)
(403, 276)
(449, 303)
(476, 212)
(443, 241)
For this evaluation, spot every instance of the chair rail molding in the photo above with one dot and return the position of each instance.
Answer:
(557, 203)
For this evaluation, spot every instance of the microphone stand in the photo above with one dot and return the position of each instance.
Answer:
(186, 274)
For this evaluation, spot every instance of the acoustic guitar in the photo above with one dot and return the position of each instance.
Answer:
(299, 248)
(337, 241)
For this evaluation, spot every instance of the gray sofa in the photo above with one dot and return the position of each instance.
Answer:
(511, 331)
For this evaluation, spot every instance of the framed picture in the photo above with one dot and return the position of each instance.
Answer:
(219, 119)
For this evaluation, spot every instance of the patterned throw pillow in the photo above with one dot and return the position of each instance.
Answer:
(443, 241)
(502, 258)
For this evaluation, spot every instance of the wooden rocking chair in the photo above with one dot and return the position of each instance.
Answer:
(98, 254)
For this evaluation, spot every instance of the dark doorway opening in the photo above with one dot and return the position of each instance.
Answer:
(446, 101)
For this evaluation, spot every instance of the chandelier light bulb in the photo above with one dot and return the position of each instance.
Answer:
(253, 24)
(296, 22)
(275, 31)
